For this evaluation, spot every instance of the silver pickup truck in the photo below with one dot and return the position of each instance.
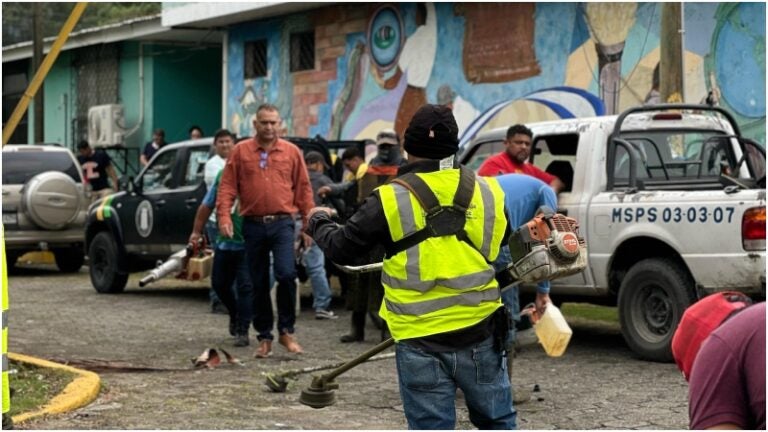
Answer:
(671, 201)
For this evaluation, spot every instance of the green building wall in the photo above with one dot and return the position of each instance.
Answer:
(59, 103)
(182, 87)
(188, 90)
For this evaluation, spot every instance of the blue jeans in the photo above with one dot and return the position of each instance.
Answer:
(261, 239)
(511, 300)
(230, 267)
(428, 382)
(314, 261)
(511, 296)
(212, 231)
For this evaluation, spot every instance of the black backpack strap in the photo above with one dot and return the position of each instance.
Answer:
(466, 189)
(463, 198)
(429, 202)
(424, 195)
(421, 190)
(408, 242)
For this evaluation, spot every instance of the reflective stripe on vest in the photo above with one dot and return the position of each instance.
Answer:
(483, 277)
(439, 278)
(472, 298)
(488, 222)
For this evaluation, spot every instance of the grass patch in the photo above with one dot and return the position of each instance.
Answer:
(591, 312)
(32, 386)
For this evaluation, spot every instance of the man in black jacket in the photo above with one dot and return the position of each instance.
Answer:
(449, 324)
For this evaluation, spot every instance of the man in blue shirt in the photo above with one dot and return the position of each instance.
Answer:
(229, 266)
(524, 198)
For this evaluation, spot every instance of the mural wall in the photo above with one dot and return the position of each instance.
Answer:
(495, 63)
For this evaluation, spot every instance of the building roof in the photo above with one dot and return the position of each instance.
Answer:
(218, 14)
(147, 28)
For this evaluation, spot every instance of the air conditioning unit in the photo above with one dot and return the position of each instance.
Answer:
(104, 128)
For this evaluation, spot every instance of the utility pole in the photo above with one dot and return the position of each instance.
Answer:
(42, 71)
(671, 58)
(37, 59)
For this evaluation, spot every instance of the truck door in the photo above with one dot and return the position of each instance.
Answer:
(182, 202)
(556, 154)
(144, 222)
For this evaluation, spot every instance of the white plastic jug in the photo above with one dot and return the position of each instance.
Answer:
(553, 332)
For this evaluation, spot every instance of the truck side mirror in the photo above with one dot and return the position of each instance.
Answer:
(134, 186)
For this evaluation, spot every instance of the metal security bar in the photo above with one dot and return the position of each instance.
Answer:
(302, 51)
(255, 59)
(97, 74)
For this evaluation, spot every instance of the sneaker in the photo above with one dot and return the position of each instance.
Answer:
(241, 340)
(290, 344)
(264, 350)
(323, 314)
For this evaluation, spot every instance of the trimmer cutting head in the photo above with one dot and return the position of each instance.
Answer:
(319, 394)
(276, 383)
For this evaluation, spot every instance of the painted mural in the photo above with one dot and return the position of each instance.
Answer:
(495, 63)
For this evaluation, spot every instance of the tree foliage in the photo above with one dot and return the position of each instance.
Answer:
(17, 17)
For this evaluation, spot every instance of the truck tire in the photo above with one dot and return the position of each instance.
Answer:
(103, 265)
(69, 260)
(652, 298)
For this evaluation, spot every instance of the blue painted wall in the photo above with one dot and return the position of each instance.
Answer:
(563, 38)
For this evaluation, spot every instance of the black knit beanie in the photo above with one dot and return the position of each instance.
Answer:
(432, 133)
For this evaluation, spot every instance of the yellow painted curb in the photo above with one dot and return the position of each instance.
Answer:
(80, 392)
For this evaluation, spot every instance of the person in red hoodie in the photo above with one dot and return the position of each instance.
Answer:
(514, 159)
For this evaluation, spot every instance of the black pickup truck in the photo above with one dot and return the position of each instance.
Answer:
(152, 216)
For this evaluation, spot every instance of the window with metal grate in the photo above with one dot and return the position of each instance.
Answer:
(255, 59)
(302, 51)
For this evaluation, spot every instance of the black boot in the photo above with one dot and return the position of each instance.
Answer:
(241, 334)
(357, 333)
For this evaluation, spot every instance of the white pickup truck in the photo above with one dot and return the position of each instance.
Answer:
(671, 201)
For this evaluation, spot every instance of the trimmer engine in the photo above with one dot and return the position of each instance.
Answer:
(547, 247)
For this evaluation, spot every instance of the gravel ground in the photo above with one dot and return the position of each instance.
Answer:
(597, 384)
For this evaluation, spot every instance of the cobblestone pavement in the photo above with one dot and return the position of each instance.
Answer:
(597, 384)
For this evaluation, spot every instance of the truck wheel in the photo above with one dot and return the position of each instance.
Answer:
(652, 298)
(103, 258)
(69, 260)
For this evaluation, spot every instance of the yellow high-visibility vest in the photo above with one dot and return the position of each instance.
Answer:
(441, 284)
(3, 259)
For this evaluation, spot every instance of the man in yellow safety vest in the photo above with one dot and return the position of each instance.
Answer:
(441, 228)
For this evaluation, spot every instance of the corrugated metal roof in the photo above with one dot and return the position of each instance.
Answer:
(147, 28)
